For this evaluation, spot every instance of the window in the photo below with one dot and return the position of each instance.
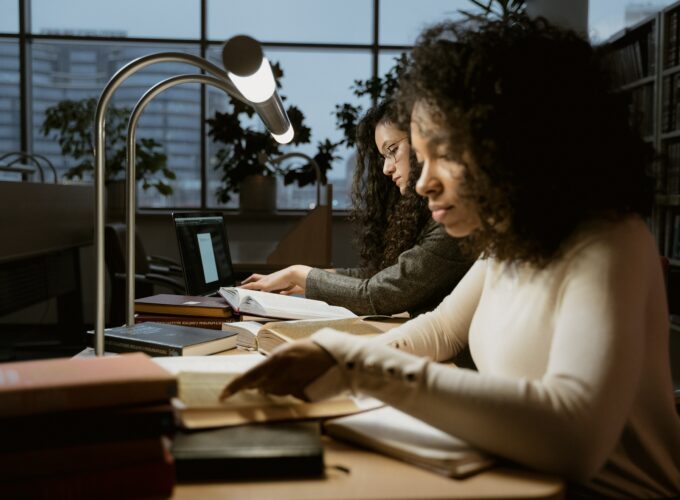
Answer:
(302, 21)
(75, 46)
(9, 21)
(10, 139)
(606, 17)
(315, 81)
(402, 20)
(179, 19)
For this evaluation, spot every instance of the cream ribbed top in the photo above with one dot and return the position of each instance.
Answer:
(573, 363)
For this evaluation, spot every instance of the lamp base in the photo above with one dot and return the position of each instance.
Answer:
(257, 193)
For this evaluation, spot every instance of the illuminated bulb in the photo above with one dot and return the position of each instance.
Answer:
(257, 87)
(286, 137)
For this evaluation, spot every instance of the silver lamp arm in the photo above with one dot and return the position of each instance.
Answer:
(317, 169)
(269, 110)
(131, 168)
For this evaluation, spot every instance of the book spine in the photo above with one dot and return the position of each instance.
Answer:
(37, 432)
(209, 323)
(112, 344)
(145, 480)
(117, 345)
(79, 458)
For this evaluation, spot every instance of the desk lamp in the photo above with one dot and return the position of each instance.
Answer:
(312, 161)
(248, 75)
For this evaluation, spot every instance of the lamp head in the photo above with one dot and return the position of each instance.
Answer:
(252, 75)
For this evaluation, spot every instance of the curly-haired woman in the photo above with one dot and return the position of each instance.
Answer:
(526, 151)
(409, 263)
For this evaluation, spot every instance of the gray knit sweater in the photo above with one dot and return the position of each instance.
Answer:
(422, 276)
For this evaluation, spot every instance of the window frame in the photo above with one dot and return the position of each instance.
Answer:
(26, 37)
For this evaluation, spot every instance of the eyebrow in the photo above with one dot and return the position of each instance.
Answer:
(388, 143)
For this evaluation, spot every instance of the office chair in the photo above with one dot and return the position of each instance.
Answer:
(150, 271)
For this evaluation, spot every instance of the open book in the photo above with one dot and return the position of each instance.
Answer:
(397, 434)
(201, 380)
(274, 305)
(253, 336)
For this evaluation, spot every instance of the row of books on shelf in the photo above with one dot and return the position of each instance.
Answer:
(672, 52)
(641, 109)
(673, 239)
(670, 105)
(668, 181)
(635, 60)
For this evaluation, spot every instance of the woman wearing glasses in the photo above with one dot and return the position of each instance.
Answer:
(408, 262)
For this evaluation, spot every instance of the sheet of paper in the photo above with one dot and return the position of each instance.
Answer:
(237, 363)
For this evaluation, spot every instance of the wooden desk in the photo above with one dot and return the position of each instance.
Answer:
(373, 476)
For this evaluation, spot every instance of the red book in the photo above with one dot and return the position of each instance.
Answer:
(141, 480)
(79, 458)
(184, 305)
(51, 385)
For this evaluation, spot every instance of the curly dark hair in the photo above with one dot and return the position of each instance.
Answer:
(548, 144)
(387, 222)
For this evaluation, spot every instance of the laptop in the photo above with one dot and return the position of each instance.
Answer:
(204, 252)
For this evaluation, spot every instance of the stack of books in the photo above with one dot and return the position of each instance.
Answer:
(86, 428)
(184, 310)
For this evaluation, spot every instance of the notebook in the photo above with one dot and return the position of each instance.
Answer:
(204, 252)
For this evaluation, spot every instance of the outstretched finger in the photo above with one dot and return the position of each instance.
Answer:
(250, 379)
(252, 278)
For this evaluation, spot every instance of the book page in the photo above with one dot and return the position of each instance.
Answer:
(251, 327)
(283, 306)
(403, 436)
(202, 390)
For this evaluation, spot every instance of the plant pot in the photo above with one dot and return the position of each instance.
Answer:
(257, 193)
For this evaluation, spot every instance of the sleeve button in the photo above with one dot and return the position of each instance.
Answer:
(349, 365)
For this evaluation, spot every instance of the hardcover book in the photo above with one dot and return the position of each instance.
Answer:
(399, 435)
(290, 449)
(184, 305)
(173, 319)
(274, 305)
(79, 458)
(202, 379)
(52, 385)
(253, 335)
(150, 479)
(49, 430)
(161, 339)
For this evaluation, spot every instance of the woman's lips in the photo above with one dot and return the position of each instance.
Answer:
(438, 213)
(396, 180)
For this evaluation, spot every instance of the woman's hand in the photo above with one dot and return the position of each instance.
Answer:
(287, 281)
(288, 370)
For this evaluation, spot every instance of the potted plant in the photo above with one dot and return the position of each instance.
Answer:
(71, 123)
(241, 159)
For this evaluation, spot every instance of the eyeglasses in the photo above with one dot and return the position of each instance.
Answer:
(392, 150)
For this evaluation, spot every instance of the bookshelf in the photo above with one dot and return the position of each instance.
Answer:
(646, 63)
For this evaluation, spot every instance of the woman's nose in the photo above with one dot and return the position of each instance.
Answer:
(427, 184)
(388, 166)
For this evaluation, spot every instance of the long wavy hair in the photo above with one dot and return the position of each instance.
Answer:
(387, 222)
(528, 109)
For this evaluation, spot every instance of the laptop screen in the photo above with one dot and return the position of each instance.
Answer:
(204, 251)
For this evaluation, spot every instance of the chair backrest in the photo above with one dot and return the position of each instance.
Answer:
(114, 247)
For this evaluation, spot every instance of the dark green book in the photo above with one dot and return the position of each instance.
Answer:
(291, 449)
(163, 339)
